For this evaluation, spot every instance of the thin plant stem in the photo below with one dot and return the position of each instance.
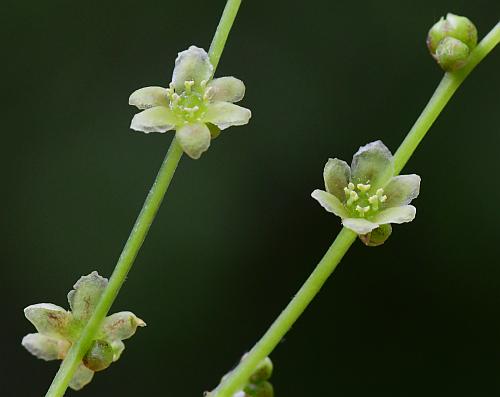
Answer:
(445, 90)
(222, 32)
(123, 266)
(237, 378)
(139, 232)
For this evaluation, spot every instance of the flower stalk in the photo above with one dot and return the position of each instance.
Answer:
(123, 266)
(445, 90)
(236, 379)
(58, 329)
(139, 231)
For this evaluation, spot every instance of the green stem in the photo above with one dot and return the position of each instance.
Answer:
(125, 262)
(139, 231)
(222, 32)
(237, 378)
(445, 90)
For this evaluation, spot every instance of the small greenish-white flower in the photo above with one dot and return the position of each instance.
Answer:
(366, 195)
(58, 329)
(195, 105)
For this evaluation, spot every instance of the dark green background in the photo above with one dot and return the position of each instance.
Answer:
(238, 232)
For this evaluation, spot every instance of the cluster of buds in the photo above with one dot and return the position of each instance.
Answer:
(451, 40)
(258, 385)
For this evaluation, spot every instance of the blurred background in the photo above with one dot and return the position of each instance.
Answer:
(238, 232)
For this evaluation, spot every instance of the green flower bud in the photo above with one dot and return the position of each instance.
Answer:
(263, 371)
(452, 54)
(214, 130)
(261, 389)
(377, 236)
(99, 356)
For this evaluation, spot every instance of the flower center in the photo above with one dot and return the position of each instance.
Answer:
(361, 201)
(191, 104)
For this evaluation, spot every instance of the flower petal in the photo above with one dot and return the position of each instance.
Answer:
(359, 225)
(336, 174)
(405, 213)
(86, 293)
(81, 377)
(121, 326)
(49, 319)
(227, 89)
(157, 119)
(148, 97)
(194, 139)
(374, 163)
(118, 347)
(192, 64)
(46, 347)
(225, 114)
(401, 190)
(330, 203)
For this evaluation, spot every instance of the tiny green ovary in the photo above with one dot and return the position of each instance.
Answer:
(190, 106)
(361, 201)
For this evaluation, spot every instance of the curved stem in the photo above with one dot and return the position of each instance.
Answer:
(139, 231)
(125, 262)
(237, 378)
(445, 90)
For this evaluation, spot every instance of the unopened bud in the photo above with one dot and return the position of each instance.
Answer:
(214, 130)
(261, 389)
(99, 356)
(263, 371)
(377, 236)
(452, 54)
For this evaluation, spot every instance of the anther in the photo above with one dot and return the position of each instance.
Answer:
(363, 188)
(191, 110)
(188, 85)
(362, 210)
(174, 101)
(208, 93)
(381, 196)
(353, 196)
(373, 200)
